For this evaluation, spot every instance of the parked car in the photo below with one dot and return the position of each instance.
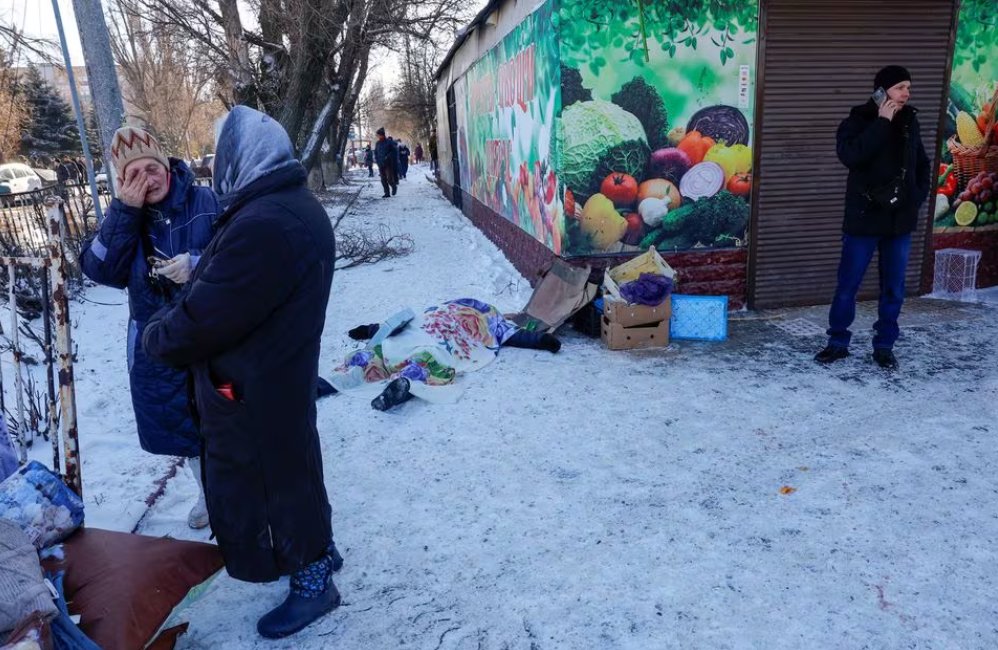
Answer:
(49, 177)
(101, 180)
(17, 178)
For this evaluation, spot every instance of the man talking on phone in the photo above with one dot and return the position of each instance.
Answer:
(149, 242)
(881, 145)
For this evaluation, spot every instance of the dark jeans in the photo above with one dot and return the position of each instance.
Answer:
(389, 178)
(370, 170)
(856, 255)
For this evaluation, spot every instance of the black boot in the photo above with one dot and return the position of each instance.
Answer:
(885, 359)
(312, 596)
(363, 332)
(397, 392)
(831, 354)
(533, 341)
(550, 343)
(395, 188)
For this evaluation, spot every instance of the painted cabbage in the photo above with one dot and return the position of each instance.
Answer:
(596, 138)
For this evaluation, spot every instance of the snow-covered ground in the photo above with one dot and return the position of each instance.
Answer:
(597, 499)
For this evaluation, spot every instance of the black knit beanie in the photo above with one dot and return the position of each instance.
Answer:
(891, 76)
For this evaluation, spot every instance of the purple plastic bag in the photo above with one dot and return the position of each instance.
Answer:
(649, 289)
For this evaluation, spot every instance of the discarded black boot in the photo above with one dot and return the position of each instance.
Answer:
(397, 392)
(312, 596)
(885, 359)
(363, 332)
(831, 354)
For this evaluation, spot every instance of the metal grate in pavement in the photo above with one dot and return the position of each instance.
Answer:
(801, 327)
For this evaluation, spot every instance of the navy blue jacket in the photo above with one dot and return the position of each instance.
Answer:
(116, 257)
(386, 153)
(252, 317)
(873, 149)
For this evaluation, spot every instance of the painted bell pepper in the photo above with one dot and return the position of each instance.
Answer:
(947, 181)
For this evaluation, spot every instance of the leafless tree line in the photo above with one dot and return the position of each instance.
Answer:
(304, 61)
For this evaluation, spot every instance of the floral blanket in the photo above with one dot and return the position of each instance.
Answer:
(454, 337)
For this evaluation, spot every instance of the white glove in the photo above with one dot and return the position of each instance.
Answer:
(177, 269)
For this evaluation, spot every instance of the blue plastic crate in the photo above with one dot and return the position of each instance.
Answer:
(699, 318)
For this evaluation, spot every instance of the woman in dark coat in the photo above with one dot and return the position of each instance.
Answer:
(158, 214)
(881, 144)
(248, 329)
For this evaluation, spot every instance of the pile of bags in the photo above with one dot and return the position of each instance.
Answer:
(125, 591)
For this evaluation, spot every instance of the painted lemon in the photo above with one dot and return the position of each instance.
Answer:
(966, 213)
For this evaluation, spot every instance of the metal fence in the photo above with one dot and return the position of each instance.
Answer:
(40, 239)
(23, 222)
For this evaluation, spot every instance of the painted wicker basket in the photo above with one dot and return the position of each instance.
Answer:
(968, 162)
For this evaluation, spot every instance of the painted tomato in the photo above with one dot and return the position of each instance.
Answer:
(622, 189)
(740, 184)
(635, 229)
(550, 186)
(569, 204)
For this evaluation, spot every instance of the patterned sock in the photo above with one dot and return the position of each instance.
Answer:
(312, 580)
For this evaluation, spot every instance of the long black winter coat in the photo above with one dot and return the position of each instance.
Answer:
(252, 317)
(872, 147)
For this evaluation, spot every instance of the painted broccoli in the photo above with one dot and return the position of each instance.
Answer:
(638, 97)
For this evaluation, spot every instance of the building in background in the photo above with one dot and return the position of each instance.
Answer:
(557, 119)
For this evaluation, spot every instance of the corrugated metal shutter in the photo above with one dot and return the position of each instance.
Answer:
(818, 59)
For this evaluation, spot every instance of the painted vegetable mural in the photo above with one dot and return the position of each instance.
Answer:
(654, 137)
(506, 107)
(967, 181)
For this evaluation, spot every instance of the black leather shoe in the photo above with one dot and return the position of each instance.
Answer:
(397, 392)
(831, 354)
(363, 332)
(885, 359)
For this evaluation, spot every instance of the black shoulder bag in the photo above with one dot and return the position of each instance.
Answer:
(888, 196)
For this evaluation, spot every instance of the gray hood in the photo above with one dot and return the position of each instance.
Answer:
(250, 145)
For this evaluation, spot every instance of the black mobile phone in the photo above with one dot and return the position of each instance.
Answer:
(879, 96)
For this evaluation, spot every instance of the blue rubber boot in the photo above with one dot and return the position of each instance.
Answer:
(312, 596)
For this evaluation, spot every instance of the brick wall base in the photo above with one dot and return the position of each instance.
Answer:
(713, 272)
(979, 239)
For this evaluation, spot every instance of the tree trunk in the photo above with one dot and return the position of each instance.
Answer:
(309, 59)
(240, 69)
(350, 106)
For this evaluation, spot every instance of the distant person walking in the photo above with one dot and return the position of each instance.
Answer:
(419, 153)
(404, 154)
(369, 160)
(386, 154)
(433, 151)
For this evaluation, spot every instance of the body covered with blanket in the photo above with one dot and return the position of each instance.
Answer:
(431, 348)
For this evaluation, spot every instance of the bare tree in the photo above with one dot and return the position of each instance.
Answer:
(166, 80)
(308, 62)
(13, 111)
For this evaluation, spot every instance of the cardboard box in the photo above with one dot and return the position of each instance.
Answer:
(628, 315)
(618, 337)
(649, 262)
